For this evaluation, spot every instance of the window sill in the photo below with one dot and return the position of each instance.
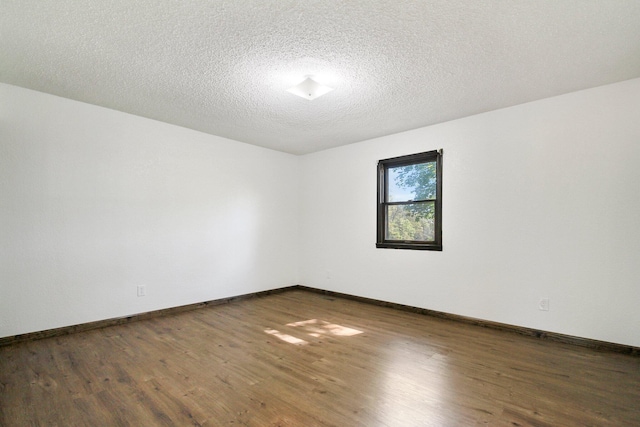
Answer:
(414, 246)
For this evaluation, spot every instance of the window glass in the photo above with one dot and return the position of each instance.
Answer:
(411, 222)
(413, 182)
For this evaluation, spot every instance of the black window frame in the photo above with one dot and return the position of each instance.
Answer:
(383, 167)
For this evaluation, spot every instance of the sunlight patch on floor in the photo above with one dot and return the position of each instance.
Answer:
(284, 337)
(316, 328)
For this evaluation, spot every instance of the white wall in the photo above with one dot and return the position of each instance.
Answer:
(94, 202)
(540, 200)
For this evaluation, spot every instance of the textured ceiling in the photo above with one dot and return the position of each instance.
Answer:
(223, 67)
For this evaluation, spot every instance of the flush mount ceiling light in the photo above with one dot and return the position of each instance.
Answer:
(309, 89)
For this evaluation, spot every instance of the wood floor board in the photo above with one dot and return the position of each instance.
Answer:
(299, 358)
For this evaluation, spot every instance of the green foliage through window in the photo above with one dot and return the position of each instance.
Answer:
(411, 222)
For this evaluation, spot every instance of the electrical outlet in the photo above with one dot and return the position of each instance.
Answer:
(141, 291)
(543, 304)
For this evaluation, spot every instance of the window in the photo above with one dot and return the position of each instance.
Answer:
(410, 202)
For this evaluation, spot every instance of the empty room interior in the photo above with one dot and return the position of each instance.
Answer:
(320, 213)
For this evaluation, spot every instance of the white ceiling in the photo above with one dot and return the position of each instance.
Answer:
(223, 67)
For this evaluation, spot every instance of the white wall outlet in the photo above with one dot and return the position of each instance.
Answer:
(543, 304)
(141, 291)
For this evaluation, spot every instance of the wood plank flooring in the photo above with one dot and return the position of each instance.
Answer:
(303, 359)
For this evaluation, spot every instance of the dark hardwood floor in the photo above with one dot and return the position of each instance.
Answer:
(303, 359)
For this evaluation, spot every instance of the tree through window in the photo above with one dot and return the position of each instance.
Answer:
(410, 202)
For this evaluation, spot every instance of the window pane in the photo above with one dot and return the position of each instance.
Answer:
(412, 182)
(415, 221)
